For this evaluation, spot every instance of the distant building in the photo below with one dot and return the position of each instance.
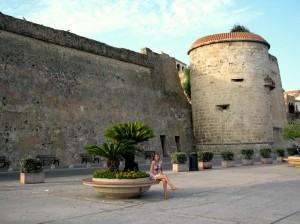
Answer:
(180, 66)
(292, 103)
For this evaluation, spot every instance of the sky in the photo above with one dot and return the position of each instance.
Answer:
(171, 26)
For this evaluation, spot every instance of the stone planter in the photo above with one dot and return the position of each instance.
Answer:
(226, 164)
(204, 165)
(294, 161)
(266, 160)
(279, 159)
(120, 188)
(32, 178)
(180, 167)
(247, 162)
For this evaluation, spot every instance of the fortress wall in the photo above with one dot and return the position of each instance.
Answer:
(59, 94)
(215, 69)
(278, 107)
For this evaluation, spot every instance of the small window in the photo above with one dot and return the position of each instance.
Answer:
(237, 80)
(223, 107)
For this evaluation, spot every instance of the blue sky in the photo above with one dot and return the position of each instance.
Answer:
(171, 26)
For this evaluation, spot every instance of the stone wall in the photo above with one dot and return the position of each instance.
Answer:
(231, 102)
(60, 91)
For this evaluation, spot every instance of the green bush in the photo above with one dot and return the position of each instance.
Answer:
(280, 152)
(291, 151)
(227, 155)
(178, 157)
(247, 153)
(265, 153)
(106, 173)
(205, 156)
(31, 165)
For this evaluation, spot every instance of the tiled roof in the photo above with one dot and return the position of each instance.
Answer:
(228, 37)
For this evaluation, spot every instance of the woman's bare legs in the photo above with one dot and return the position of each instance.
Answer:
(164, 177)
(165, 185)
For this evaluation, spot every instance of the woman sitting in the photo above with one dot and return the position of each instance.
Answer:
(156, 173)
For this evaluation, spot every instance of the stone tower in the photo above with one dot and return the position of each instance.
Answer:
(233, 80)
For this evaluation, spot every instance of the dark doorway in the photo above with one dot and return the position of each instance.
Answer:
(163, 144)
(177, 140)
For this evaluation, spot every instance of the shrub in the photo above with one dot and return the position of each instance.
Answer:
(265, 153)
(280, 152)
(227, 155)
(187, 84)
(247, 153)
(239, 28)
(205, 156)
(106, 173)
(178, 157)
(291, 151)
(31, 165)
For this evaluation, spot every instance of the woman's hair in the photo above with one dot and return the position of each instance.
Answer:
(155, 153)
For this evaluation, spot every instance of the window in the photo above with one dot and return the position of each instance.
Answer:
(223, 107)
(237, 80)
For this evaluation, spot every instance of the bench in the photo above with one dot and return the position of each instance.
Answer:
(149, 154)
(4, 161)
(88, 157)
(48, 158)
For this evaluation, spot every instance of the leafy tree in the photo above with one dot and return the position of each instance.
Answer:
(134, 132)
(239, 28)
(292, 131)
(113, 152)
(187, 84)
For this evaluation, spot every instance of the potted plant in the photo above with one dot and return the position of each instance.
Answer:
(292, 151)
(31, 171)
(247, 153)
(112, 182)
(280, 155)
(178, 160)
(228, 159)
(205, 158)
(266, 157)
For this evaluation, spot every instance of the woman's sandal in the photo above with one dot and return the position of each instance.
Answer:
(174, 189)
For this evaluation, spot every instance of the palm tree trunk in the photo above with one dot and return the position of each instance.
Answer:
(113, 164)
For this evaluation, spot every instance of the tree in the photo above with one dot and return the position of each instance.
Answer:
(239, 28)
(292, 131)
(112, 151)
(134, 132)
(187, 84)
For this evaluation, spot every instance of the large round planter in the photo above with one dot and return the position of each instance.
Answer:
(120, 188)
(294, 161)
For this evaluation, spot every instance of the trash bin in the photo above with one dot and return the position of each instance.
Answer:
(193, 161)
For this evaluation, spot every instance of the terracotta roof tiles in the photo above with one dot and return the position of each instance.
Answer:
(227, 37)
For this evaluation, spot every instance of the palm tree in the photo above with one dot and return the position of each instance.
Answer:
(113, 152)
(134, 132)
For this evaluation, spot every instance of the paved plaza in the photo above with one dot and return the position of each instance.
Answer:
(257, 194)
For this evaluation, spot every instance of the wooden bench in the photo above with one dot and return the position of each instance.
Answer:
(149, 154)
(88, 157)
(48, 159)
(4, 161)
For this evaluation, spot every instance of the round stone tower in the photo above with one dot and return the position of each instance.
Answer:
(231, 88)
